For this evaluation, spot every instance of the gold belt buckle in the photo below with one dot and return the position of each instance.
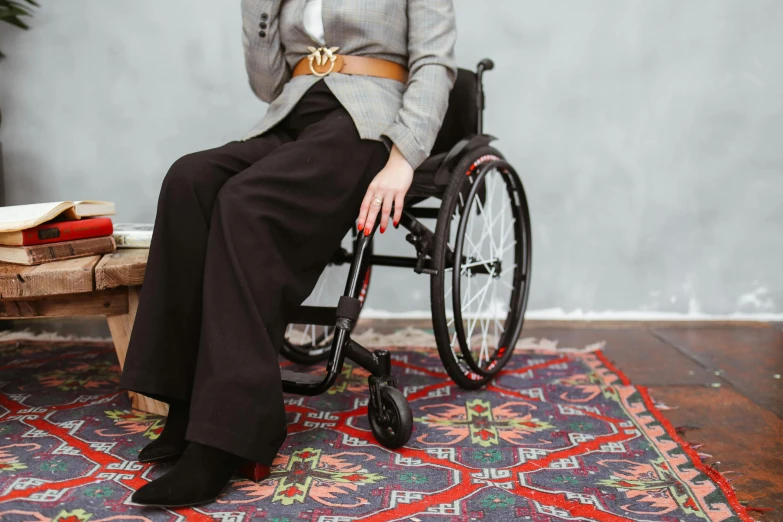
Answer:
(320, 56)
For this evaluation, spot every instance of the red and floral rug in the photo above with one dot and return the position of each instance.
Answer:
(557, 437)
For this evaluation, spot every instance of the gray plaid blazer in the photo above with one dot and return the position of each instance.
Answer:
(419, 34)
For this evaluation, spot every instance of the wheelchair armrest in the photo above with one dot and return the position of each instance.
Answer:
(443, 175)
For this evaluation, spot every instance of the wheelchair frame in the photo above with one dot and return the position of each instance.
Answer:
(378, 362)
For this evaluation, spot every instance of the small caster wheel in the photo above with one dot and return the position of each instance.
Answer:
(393, 425)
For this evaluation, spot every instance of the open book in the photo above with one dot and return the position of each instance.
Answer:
(21, 217)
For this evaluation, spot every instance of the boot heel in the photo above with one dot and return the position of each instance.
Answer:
(254, 471)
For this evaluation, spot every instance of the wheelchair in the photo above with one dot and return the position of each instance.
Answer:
(477, 254)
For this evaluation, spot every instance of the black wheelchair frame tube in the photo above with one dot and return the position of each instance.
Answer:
(378, 363)
(484, 65)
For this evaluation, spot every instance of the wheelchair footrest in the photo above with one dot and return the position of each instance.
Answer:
(297, 377)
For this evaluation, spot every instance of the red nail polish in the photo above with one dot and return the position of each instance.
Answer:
(396, 224)
(359, 226)
(383, 230)
(366, 231)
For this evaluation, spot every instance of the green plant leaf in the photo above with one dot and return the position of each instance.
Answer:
(16, 22)
(17, 7)
(12, 12)
(9, 9)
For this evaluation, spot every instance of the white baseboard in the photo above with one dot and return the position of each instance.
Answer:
(558, 314)
(28, 335)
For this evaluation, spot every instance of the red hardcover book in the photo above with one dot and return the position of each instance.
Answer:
(55, 232)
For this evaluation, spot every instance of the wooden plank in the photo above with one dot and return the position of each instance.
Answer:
(69, 276)
(122, 268)
(744, 438)
(143, 403)
(121, 327)
(105, 302)
(747, 358)
(644, 358)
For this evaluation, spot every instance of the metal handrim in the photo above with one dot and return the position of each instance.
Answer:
(489, 364)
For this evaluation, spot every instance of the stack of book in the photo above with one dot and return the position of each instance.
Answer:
(44, 232)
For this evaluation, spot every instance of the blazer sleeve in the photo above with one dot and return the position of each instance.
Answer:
(267, 69)
(432, 71)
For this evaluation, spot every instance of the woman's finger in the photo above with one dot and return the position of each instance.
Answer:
(364, 209)
(372, 214)
(388, 199)
(399, 201)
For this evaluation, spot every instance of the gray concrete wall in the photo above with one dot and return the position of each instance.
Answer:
(647, 133)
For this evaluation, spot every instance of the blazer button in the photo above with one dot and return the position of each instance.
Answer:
(264, 16)
(262, 34)
(262, 25)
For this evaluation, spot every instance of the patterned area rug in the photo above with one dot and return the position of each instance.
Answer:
(559, 436)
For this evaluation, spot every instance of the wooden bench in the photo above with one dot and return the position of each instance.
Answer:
(98, 285)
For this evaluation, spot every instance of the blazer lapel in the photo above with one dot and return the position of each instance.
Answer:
(294, 17)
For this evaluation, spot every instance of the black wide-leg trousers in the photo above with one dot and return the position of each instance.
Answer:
(242, 234)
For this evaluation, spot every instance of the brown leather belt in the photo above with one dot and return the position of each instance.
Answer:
(347, 64)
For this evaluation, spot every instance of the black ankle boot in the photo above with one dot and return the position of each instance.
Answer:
(171, 442)
(198, 478)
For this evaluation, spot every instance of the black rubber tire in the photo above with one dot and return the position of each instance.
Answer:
(397, 432)
(463, 377)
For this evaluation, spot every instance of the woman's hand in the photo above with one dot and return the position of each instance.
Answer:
(390, 184)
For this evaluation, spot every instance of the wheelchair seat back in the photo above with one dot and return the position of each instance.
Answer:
(461, 118)
(460, 122)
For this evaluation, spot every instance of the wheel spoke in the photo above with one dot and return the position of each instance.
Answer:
(471, 299)
(477, 316)
(493, 301)
(498, 325)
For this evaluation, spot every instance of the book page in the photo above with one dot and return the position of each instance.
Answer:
(91, 208)
(20, 217)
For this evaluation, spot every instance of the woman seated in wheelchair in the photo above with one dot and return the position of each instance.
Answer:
(243, 231)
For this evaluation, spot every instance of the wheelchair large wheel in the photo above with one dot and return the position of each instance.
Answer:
(482, 260)
(311, 343)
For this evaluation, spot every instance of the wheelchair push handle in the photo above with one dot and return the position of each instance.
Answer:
(486, 65)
